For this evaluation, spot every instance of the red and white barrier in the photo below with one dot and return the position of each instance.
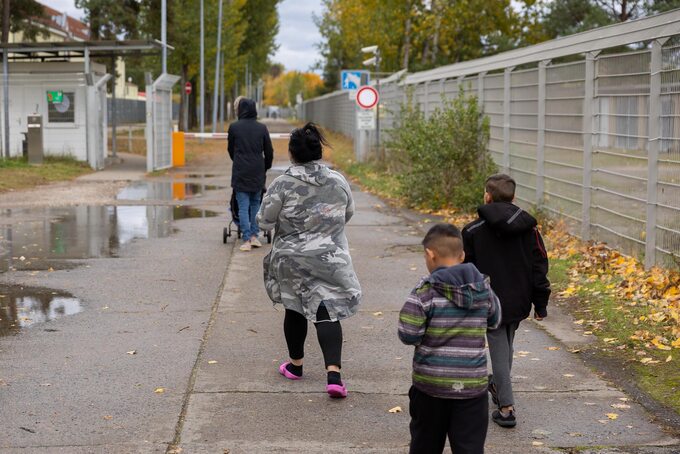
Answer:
(224, 135)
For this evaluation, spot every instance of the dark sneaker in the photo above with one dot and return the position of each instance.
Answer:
(504, 421)
(493, 390)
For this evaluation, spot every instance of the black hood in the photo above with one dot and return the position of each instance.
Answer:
(246, 109)
(506, 219)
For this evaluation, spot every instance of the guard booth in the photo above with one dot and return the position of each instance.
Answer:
(60, 82)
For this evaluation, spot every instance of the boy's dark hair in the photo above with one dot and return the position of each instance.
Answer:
(306, 143)
(501, 187)
(445, 239)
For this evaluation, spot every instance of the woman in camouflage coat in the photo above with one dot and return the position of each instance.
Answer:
(309, 269)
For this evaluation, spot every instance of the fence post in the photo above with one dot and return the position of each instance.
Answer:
(427, 100)
(540, 138)
(506, 118)
(588, 100)
(442, 91)
(480, 91)
(653, 145)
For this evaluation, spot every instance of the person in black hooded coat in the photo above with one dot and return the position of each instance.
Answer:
(250, 149)
(504, 243)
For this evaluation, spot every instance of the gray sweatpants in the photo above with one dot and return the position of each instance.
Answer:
(500, 350)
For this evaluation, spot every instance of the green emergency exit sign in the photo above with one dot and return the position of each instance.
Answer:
(55, 97)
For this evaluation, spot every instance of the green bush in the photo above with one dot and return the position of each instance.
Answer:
(442, 161)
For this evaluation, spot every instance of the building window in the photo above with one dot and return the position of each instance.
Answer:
(63, 112)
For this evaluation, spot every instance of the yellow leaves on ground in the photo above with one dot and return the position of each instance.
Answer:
(603, 272)
(396, 409)
(612, 416)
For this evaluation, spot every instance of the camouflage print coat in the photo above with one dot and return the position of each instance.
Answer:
(309, 263)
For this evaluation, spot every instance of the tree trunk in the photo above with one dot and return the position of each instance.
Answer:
(193, 115)
(183, 104)
(437, 26)
(407, 41)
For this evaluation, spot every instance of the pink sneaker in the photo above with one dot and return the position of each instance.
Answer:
(337, 391)
(283, 371)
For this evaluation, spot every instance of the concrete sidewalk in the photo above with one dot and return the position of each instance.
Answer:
(238, 402)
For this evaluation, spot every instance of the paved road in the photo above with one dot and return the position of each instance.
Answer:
(196, 315)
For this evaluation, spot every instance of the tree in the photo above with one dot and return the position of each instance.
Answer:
(111, 19)
(421, 34)
(262, 20)
(283, 90)
(661, 6)
(566, 17)
(25, 17)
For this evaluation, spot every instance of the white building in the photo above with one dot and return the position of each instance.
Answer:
(64, 124)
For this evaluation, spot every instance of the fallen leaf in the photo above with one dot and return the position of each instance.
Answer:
(159, 390)
(536, 443)
(212, 361)
(378, 314)
(612, 416)
(620, 406)
(396, 409)
(669, 359)
(132, 352)
(108, 417)
(568, 375)
(552, 348)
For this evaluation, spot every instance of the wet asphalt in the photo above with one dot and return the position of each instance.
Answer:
(128, 326)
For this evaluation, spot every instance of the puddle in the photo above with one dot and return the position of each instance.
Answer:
(21, 307)
(42, 238)
(164, 190)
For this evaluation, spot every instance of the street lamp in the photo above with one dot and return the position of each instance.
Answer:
(375, 61)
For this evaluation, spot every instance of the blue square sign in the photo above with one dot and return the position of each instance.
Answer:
(353, 79)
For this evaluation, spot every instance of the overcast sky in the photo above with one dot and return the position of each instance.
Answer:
(297, 32)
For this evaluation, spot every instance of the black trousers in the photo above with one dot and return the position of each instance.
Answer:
(328, 333)
(465, 421)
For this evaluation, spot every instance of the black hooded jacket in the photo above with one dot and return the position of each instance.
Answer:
(505, 244)
(250, 147)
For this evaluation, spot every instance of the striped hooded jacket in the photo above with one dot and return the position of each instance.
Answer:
(446, 317)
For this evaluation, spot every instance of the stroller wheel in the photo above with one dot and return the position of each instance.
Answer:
(225, 235)
(268, 234)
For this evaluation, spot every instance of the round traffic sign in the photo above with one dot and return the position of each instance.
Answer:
(187, 88)
(367, 97)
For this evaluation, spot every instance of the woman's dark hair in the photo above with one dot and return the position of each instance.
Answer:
(306, 143)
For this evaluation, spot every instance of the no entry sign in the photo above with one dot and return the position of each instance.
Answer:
(367, 97)
(187, 88)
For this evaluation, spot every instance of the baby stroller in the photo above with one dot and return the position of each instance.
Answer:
(233, 207)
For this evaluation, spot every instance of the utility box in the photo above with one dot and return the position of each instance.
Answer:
(34, 137)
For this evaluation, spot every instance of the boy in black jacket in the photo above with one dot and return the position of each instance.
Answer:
(505, 244)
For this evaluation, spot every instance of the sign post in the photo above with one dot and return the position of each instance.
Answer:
(366, 98)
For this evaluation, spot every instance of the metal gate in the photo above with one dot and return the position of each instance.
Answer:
(159, 123)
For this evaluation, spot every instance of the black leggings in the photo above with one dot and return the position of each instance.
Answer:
(329, 335)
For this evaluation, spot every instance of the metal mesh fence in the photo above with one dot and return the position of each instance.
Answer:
(594, 140)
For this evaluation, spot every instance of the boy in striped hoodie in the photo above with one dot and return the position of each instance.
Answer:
(446, 317)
